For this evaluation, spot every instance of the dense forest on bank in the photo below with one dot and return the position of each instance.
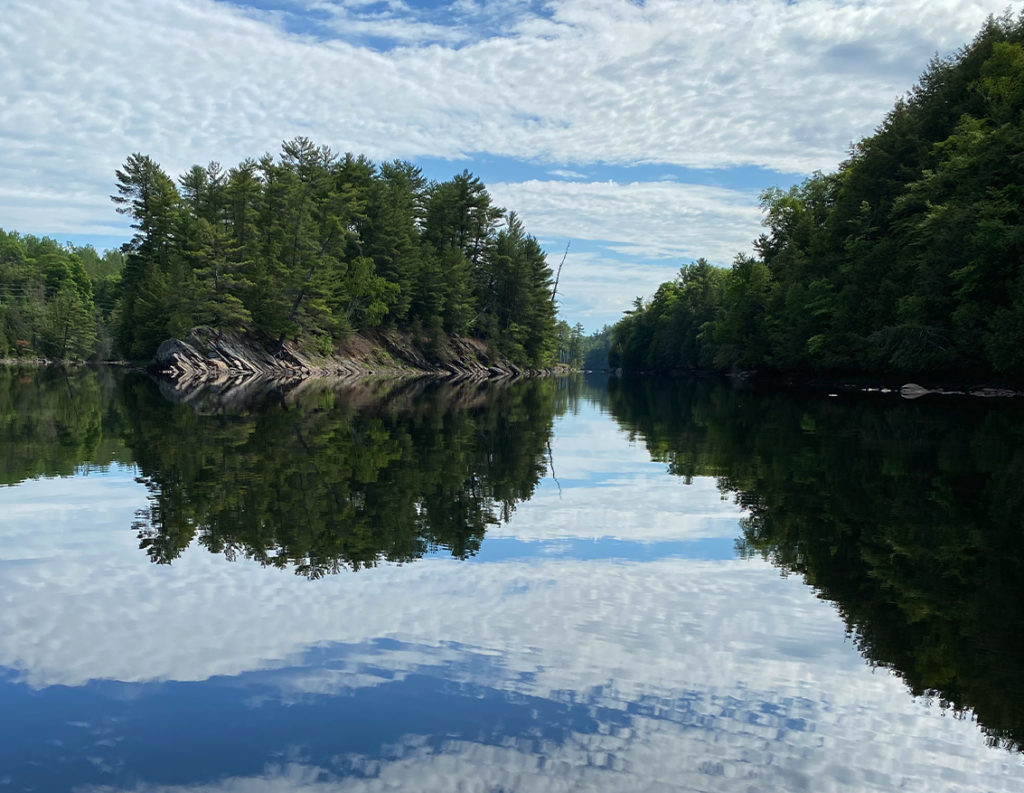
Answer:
(908, 260)
(308, 245)
(56, 300)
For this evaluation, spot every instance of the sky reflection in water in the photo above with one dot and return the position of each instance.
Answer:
(605, 638)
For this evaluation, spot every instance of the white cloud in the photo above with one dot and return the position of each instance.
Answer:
(687, 82)
(612, 489)
(595, 288)
(645, 220)
(658, 756)
(641, 510)
(46, 517)
(639, 234)
(565, 173)
(711, 661)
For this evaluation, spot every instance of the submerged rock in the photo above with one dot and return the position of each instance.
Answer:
(913, 391)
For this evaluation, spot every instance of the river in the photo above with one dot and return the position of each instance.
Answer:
(573, 584)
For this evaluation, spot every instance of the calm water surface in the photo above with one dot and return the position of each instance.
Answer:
(551, 586)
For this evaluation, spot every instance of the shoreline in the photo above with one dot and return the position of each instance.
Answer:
(208, 355)
(861, 384)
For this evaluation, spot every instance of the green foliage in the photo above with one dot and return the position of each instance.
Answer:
(570, 344)
(515, 283)
(55, 421)
(674, 329)
(306, 245)
(47, 307)
(148, 196)
(334, 479)
(596, 349)
(315, 245)
(907, 261)
(323, 486)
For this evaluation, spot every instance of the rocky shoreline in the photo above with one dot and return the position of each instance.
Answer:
(225, 361)
(906, 390)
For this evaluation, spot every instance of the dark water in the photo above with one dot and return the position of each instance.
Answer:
(558, 585)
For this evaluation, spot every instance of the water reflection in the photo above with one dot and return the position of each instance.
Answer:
(909, 517)
(550, 675)
(541, 665)
(326, 483)
(54, 421)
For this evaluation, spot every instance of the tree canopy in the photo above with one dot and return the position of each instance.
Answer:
(314, 245)
(53, 297)
(309, 245)
(909, 259)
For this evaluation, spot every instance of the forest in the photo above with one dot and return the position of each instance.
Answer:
(308, 245)
(907, 260)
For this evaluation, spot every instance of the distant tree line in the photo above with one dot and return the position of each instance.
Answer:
(307, 245)
(54, 298)
(909, 259)
(596, 348)
(583, 352)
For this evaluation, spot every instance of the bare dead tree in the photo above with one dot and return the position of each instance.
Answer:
(554, 290)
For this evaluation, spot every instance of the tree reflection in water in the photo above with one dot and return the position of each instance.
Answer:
(908, 516)
(335, 480)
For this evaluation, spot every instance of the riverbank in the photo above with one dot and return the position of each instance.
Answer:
(905, 388)
(832, 386)
(206, 356)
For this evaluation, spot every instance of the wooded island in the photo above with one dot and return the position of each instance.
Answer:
(308, 246)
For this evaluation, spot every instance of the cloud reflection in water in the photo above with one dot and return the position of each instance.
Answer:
(545, 674)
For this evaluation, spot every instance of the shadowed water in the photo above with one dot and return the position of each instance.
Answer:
(544, 585)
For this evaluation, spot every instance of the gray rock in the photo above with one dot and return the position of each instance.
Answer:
(913, 391)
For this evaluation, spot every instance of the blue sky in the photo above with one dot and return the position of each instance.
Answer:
(641, 132)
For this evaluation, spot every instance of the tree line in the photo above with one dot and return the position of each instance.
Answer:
(909, 259)
(307, 245)
(55, 299)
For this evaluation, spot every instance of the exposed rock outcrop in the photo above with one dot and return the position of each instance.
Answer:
(230, 367)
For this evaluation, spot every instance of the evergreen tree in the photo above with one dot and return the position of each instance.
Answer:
(312, 245)
(148, 196)
(906, 261)
(396, 212)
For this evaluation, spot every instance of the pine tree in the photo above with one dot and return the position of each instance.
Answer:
(148, 195)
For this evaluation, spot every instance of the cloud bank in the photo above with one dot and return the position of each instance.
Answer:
(700, 83)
